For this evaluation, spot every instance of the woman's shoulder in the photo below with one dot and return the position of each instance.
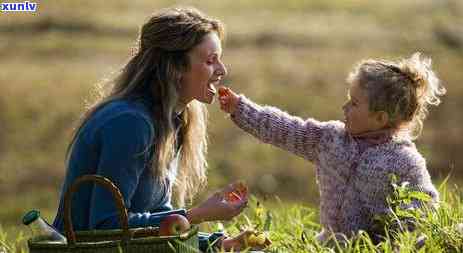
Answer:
(120, 107)
(120, 111)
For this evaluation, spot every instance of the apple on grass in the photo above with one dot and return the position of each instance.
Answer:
(173, 224)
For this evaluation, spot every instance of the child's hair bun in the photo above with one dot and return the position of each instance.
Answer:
(422, 78)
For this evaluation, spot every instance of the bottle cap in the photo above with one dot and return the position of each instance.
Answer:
(31, 216)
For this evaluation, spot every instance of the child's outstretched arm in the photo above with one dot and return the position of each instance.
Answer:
(271, 125)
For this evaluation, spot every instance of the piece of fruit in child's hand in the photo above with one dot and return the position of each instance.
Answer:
(223, 91)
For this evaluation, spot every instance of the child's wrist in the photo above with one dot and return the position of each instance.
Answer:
(234, 107)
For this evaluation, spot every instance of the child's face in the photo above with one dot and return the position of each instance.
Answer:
(357, 117)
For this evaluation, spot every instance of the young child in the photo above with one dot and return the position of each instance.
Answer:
(387, 103)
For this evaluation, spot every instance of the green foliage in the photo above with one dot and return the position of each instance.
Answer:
(402, 205)
(410, 228)
(15, 245)
(293, 227)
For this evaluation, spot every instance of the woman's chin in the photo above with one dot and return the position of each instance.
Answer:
(207, 100)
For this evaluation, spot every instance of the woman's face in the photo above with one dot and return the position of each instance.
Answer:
(206, 71)
(357, 116)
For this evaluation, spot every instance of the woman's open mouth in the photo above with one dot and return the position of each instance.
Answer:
(211, 87)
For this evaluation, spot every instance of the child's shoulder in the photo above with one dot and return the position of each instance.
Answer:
(333, 127)
(403, 155)
(333, 134)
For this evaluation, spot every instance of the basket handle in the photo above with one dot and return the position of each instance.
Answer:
(106, 183)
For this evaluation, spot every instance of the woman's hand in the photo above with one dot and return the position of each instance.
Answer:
(228, 100)
(216, 207)
(245, 240)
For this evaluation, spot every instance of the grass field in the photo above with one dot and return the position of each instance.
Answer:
(293, 227)
(293, 54)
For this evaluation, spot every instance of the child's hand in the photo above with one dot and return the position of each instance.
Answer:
(228, 100)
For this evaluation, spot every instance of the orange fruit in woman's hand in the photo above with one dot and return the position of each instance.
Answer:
(241, 188)
(233, 196)
(238, 192)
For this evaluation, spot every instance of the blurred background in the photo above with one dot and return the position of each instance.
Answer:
(293, 54)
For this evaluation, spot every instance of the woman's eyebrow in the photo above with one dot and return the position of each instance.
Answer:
(214, 56)
(215, 53)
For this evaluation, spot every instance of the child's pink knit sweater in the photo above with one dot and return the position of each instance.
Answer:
(353, 183)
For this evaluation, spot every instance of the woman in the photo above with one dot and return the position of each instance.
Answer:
(148, 134)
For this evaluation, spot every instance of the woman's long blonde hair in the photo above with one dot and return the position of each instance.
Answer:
(156, 67)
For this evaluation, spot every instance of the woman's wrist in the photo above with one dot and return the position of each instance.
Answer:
(228, 243)
(195, 215)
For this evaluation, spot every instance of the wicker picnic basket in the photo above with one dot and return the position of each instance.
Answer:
(125, 240)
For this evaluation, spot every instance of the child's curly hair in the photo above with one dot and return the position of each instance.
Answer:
(402, 89)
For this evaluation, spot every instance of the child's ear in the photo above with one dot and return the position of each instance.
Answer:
(382, 118)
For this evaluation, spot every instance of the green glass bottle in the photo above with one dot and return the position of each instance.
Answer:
(41, 230)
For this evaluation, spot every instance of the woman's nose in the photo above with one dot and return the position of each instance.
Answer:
(221, 69)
